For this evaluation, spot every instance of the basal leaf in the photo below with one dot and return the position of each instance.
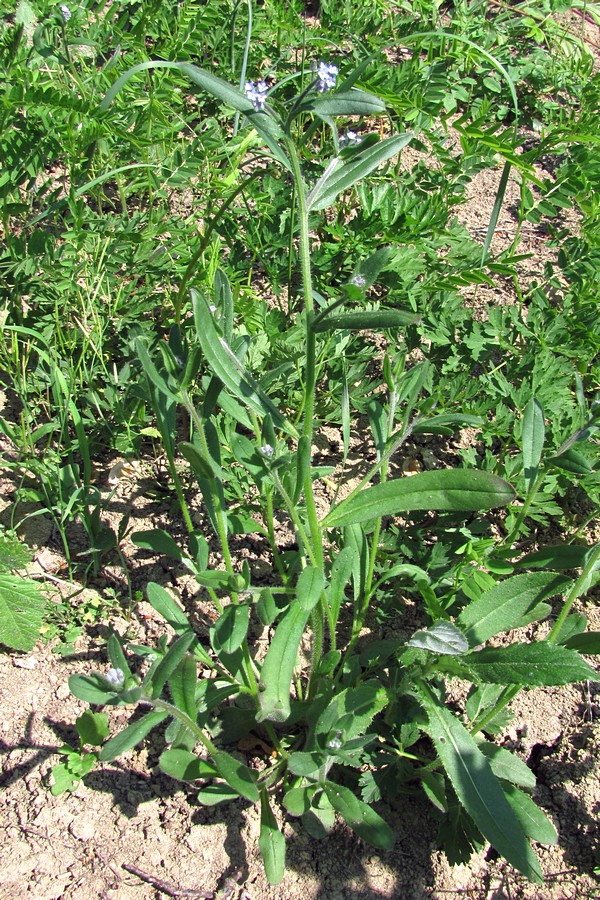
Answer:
(457, 490)
(278, 666)
(237, 775)
(131, 735)
(360, 817)
(271, 842)
(477, 788)
(185, 765)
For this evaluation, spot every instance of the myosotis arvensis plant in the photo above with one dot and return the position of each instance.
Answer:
(357, 720)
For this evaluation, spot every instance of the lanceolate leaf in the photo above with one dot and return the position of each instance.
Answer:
(343, 176)
(360, 817)
(131, 735)
(535, 823)
(510, 604)
(477, 788)
(271, 842)
(534, 430)
(229, 369)
(238, 776)
(366, 320)
(527, 664)
(457, 490)
(348, 103)
(166, 607)
(278, 667)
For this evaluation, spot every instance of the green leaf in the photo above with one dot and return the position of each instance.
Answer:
(477, 788)
(589, 642)
(271, 842)
(534, 822)
(446, 423)
(457, 490)
(238, 776)
(230, 629)
(158, 541)
(341, 573)
(165, 668)
(360, 817)
(347, 103)
(571, 461)
(556, 556)
(131, 735)
(506, 766)
(92, 689)
(165, 606)
(229, 369)
(511, 603)
(92, 728)
(182, 685)
(278, 666)
(116, 655)
(341, 176)
(534, 431)
(443, 637)
(535, 664)
(365, 320)
(304, 764)
(309, 588)
(185, 765)
(213, 794)
(22, 609)
(297, 800)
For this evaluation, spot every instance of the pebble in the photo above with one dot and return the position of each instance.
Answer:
(62, 691)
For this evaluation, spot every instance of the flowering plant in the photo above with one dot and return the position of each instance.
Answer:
(359, 720)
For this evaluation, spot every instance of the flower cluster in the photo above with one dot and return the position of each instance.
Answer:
(257, 93)
(116, 678)
(326, 75)
(66, 12)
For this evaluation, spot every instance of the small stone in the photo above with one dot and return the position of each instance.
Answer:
(62, 692)
(82, 829)
(25, 662)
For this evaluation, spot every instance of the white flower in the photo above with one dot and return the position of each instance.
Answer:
(257, 94)
(327, 75)
(115, 677)
(66, 12)
(266, 450)
(349, 139)
(212, 308)
(358, 280)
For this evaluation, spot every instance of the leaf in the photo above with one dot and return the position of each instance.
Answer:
(158, 541)
(571, 461)
(230, 629)
(213, 794)
(22, 609)
(589, 642)
(165, 606)
(511, 603)
(278, 666)
(446, 423)
(92, 728)
(229, 369)
(309, 588)
(305, 764)
(534, 431)
(341, 573)
(506, 766)
(535, 664)
(116, 655)
(534, 822)
(92, 689)
(185, 765)
(443, 637)
(340, 177)
(131, 735)
(182, 685)
(477, 788)
(237, 775)
(159, 676)
(347, 103)
(557, 556)
(353, 710)
(271, 842)
(365, 320)
(457, 490)
(360, 817)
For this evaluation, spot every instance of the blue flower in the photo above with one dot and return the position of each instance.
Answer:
(257, 93)
(326, 75)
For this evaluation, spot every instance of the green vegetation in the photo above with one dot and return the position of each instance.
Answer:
(225, 228)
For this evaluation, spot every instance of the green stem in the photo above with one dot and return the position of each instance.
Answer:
(508, 694)
(524, 509)
(580, 587)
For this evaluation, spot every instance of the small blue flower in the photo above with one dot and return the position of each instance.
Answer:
(257, 94)
(350, 139)
(267, 451)
(66, 12)
(116, 678)
(326, 75)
